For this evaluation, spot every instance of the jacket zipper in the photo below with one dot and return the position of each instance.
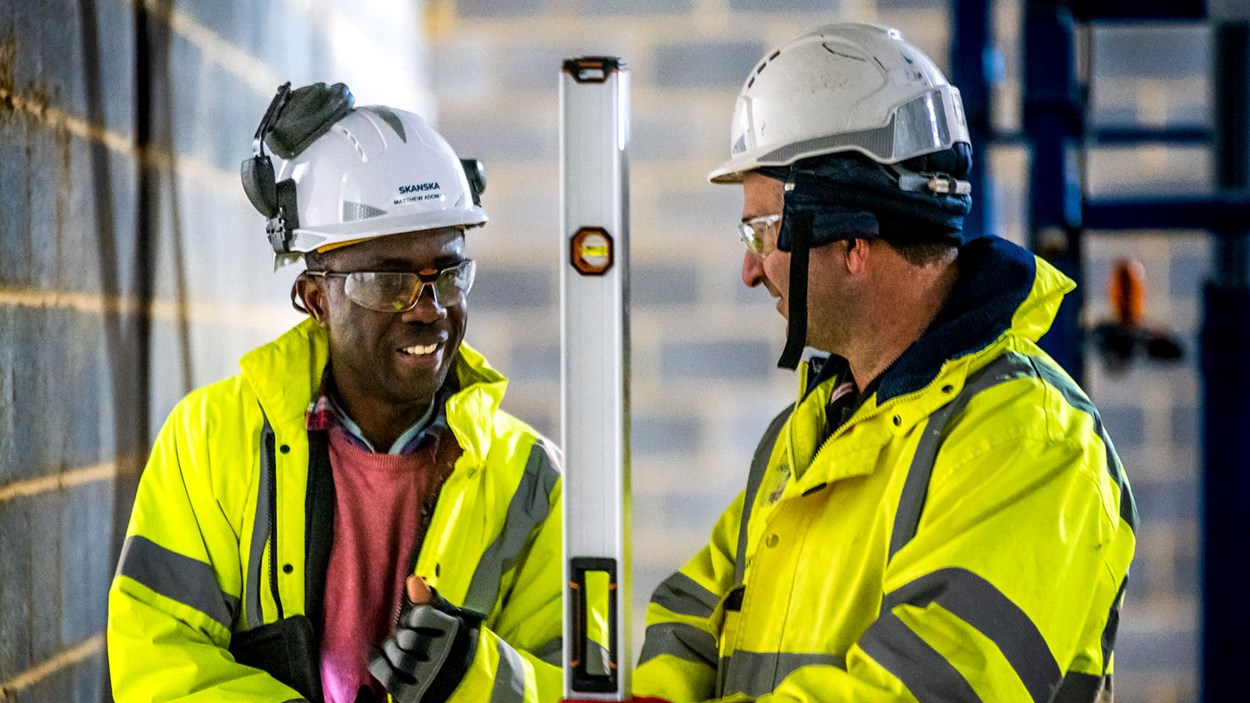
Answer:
(423, 530)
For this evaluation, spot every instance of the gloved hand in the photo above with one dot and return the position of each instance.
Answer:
(428, 654)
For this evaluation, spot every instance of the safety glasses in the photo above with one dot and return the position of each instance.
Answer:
(753, 231)
(399, 291)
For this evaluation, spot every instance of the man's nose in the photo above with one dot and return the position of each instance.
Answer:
(752, 269)
(426, 310)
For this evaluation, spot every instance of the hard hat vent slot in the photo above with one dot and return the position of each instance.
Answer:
(845, 55)
(360, 149)
(391, 119)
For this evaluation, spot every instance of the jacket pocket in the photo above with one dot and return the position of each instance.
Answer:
(286, 650)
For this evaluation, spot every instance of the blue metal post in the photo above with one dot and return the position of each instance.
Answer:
(1053, 124)
(974, 68)
(1226, 388)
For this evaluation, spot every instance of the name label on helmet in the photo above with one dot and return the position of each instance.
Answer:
(418, 188)
(418, 192)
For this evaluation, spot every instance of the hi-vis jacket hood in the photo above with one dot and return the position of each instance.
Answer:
(964, 535)
(230, 476)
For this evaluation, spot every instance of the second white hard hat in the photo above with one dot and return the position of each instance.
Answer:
(842, 87)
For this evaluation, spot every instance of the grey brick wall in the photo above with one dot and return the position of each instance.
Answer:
(132, 267)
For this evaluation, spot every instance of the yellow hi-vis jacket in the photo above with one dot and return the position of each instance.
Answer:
(965, 535)
(198, 563)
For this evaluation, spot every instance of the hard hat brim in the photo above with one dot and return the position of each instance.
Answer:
(308, 239)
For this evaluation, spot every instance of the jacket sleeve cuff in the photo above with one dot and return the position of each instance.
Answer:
(501, 674)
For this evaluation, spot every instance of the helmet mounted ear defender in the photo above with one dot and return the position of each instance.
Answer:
(854, 91)
(349, 174)
(316, 108)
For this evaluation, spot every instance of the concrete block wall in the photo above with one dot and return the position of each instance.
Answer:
(704, 347)
(132, 267)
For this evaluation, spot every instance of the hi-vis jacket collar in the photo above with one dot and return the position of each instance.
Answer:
(1003, 292)
(302, 354)
(1001, 286)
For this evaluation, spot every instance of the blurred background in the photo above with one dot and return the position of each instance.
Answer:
(132, 267)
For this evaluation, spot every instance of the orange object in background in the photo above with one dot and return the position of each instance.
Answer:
(1126, 336)
(1127, 291)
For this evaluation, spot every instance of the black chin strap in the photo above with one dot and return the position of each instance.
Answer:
(796, 335)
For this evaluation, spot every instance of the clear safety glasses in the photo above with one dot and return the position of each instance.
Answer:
(399, 291)
(931, 122)
(753, 231)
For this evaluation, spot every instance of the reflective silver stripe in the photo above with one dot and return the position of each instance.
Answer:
(552, 652)
(598, 659)
(1077, 399)
(260, 533)
(911, 502)
(1082, 688)
(759, 466)
(682, 595)
(979, 603)
(680, 640)
(922, 670)
(509, 676)
(529, 508)
(177, 577)
(758, 673)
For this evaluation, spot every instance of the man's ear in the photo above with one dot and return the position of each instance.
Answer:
(309, 296)
(857, 253)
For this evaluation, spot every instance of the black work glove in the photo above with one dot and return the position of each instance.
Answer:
(429, 652)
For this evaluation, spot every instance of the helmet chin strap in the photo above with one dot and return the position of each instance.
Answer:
(796, 334)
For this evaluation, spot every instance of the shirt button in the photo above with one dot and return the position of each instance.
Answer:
(772, 540)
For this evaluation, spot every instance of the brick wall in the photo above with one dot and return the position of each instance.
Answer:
(132, 267)
(704, 347)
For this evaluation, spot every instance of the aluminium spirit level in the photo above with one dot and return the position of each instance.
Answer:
(594, 374)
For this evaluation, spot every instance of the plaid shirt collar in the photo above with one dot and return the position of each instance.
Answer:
(325, 413)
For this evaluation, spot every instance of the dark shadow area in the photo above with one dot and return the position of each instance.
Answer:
(158, 82)
(126, 332)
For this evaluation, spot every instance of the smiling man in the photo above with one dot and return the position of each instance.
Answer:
(353, 515)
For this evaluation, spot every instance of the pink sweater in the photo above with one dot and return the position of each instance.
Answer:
(377, 521)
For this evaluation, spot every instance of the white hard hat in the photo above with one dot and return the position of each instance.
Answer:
(842, 87)
(375, 172)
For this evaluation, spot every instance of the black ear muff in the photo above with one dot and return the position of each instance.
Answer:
(258, 177)
(257, 174)
(292, 122)
(476, 174)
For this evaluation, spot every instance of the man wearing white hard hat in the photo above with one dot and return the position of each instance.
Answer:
(352, 517)
(941, 515)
